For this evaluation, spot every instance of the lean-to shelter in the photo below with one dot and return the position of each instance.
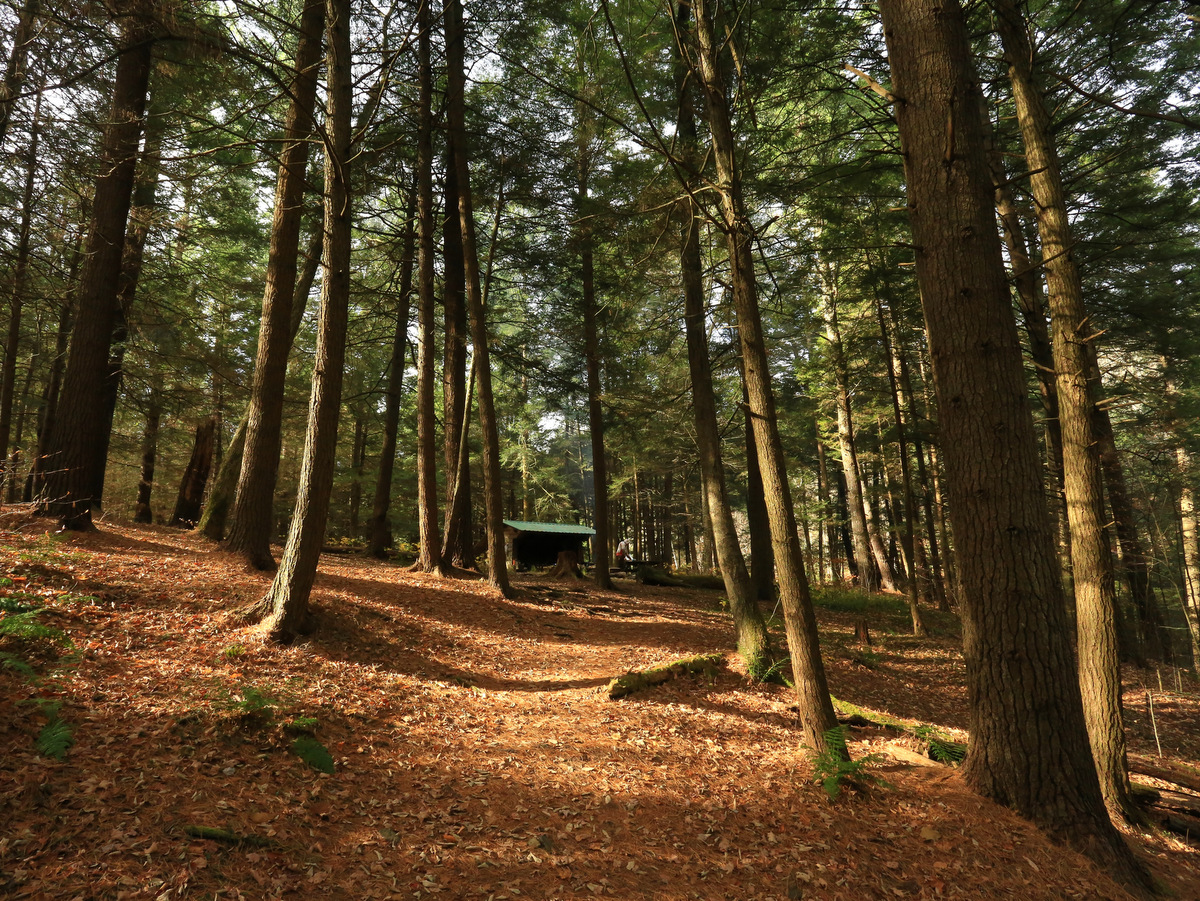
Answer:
(540, 543)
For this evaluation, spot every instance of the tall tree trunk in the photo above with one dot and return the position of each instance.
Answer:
(845, 421)
(1133, 554)
(221, 496)
(20, 286)
(601, 542)
(67, 485)
(430, 556)
(456, 541)
(1029, 744)
(141, 217)
(762, 557)
(195, 477)
(1083, 478)
(909, 540)
(143, 512)
(379, 529)
(753, 641)
(18, 58)
(815, 706)
(456, 124)
(287, 598)
(252, 515)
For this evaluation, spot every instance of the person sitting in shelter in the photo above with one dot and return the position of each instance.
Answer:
(625, 557)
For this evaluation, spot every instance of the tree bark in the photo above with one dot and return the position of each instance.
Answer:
(815, 706)
(753, 642)
(845, 420)
(252, 514)
(66, 491)
(379, 529)
(456, 538)
(143, 512)
(288, 596)
(220, 498)
(20, 287)
(456, 123)
(195, 477)
(909, 540)
(141, 216)
(18, 58)
(1083, 478)
(1029, 745)
(430, 555)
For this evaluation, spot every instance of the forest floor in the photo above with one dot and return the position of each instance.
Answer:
(474, 748)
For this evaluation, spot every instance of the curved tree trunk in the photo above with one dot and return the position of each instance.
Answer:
(252, 514)
(753, 641)
(845, 420)
(1029, 744)
(1083, 478)
(430, 556)
(287, 598)
(815, 706)
(220, 497)
(456, 123)
(69, 460)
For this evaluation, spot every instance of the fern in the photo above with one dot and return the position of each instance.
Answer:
(17, 665)
(834, 769)
(312, 752)
(55, 738)
(27, 627)
(57, 735)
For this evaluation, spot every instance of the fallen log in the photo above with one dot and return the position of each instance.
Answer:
(1142, 767)
(653, 575)
(632, 682)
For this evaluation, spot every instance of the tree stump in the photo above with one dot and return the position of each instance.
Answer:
(567, 566)
(861, 634)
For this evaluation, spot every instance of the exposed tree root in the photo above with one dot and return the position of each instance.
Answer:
(628, 684)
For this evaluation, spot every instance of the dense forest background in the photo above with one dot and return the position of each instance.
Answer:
(382, 274)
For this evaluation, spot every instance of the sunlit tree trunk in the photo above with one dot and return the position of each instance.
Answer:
(815, 706)
(845, 420)
(429, 558)
(1083, 478)
(287, 599)
(492, 485)
(1029, 744)
(252, 514)
(753, 642)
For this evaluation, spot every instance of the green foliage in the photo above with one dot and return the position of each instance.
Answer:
(233, 652)
(835, 770)
(301, 724)
(941, 749)
(57, 735)
(20, 602)
(312, 752)
(27, 628)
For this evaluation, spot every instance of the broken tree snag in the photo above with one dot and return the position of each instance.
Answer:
(861, 634)
(632, 682)
(567, 566)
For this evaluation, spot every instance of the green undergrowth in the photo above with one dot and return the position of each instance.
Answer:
(835, 770)
(928, 737)
(258, 710)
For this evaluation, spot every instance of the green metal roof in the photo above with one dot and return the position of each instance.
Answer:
(561, 528)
